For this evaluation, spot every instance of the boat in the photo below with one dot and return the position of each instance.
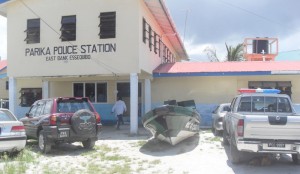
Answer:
(172, 123)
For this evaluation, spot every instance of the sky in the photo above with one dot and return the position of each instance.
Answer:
(3, 38)
(212, 23)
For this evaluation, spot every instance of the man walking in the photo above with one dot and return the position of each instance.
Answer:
(119, 108)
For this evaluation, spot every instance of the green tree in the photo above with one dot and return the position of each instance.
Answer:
(234, 53)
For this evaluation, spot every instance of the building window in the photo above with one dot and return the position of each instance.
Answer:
(90, 91)
(96, 92)
(78, 89)
(29, 96)
(101, 92)
(284, 86)
(155, 43)
(68, 28)
(107, 25)
(33, 31)
(6, 85)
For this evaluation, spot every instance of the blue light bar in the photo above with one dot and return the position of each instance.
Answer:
(259, 90)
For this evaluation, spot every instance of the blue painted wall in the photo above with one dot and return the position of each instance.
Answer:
(107, 118)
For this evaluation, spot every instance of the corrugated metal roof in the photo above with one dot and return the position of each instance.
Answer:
(227, 68)
(162, 16)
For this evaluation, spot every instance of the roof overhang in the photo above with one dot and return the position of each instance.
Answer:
(3, 4)
(162, 16)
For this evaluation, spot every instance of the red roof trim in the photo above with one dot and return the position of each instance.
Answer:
(196, 67)
(3, 64)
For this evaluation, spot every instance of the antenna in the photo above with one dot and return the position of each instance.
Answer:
(185, 22)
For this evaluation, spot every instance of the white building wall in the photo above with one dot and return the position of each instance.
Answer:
(51, 12)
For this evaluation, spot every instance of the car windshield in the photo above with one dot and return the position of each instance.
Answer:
(6, 116)
(66, 105)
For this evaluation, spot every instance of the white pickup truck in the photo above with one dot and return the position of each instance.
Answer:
(262, 123)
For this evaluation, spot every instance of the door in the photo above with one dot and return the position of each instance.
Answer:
(124, 91)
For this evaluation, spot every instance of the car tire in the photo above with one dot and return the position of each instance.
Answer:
(44, 147)
(235, 154)
(88, 144)
(216, 132)
(295, 158)
(84, 123)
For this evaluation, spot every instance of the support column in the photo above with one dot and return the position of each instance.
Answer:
(12, 95)
(147, 95)
(45, 89)
(134, 103)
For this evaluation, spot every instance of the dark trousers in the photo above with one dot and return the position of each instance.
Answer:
(120, 120)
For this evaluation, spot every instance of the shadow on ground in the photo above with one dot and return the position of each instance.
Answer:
(252, 163)
(62, 149)
(111, 133)
(155, 147)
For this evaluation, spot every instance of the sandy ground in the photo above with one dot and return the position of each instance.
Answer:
(202, 153)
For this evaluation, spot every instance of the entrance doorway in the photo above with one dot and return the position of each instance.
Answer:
(124, 91)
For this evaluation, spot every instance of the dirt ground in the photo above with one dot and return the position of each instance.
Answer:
(117, 151)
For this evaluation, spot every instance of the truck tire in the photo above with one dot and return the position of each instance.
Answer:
(84, 123)
(88, 144)
(235, 154)
(295, 158)
(44, 147)
(225, 140)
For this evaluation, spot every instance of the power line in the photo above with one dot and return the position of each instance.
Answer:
(290, 51)
(107, 67)
(250, 12)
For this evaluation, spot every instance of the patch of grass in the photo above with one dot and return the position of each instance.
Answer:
(141, 143)
(215, 139)
(94, 168)
(116, 158)
(121, 169)
(140, 169)
(18, 163)
(170, 170)
(155, 162)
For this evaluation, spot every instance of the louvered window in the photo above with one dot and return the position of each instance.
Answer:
(68, 28)
(33, 31)
(107, 25)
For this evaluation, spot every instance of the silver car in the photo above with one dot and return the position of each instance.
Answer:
(12, 132)
(217, 118)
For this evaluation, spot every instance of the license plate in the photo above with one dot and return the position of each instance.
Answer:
(63, 134)
(279, 145)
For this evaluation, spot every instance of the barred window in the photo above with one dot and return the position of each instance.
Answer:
(68, 28)
(96, 92)
(29, 96)
(107, 25)
(33, 31)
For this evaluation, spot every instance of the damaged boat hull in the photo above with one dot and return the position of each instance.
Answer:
(171, 123)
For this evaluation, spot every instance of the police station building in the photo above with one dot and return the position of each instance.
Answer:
(97, 49)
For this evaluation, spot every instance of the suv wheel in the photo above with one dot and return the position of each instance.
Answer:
(88, 144)
(43, 145)
(84, 123)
